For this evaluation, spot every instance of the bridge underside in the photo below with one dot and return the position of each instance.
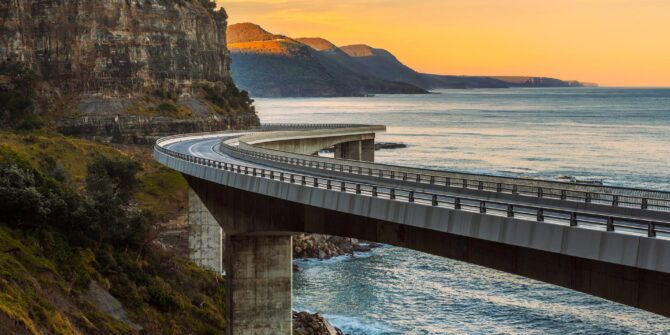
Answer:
(355, 147)
(243, 213)
(258, 267)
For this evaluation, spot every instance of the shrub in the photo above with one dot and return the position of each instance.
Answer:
(229, 97)
(16, 103)
(26, 199)
(167, 108)
(111, 179)
(29, 123)
(163, 296)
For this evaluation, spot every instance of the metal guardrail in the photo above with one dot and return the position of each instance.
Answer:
(289, 126)
(585, 193)
(498, 208)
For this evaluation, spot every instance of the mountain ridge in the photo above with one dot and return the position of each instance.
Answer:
(317, 43)
(360, 61)
(277, 65)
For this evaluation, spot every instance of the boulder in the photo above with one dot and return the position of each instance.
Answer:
(305, 323)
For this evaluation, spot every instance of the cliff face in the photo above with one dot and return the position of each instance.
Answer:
(118, 47)
(139, 52)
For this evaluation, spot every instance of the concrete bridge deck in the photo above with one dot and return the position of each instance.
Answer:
(606, 241)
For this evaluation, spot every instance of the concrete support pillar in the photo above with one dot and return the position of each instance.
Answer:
(338, 151)
(348, 150)
(259, 278)
(368, 150)
(205, 237)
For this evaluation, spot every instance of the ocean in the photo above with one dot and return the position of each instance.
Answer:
(617, 135)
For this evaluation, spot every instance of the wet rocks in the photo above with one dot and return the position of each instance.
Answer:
(378, 146)
(366, 247)
(389, 145)
(326, 247)
(305, 323)
(321, 246)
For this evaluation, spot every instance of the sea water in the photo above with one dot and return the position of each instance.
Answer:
(620, 136)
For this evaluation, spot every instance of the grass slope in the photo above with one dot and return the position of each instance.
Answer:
(47, 261)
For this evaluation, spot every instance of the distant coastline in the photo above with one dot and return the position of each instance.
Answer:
(271, 65)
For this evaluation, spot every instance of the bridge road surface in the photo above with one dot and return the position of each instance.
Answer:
(209, 148)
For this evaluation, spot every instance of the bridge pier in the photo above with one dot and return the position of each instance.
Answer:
(258, 266)
(205, 236)
(356, 150)
(368, 150)
(348, 150)
(259, 276)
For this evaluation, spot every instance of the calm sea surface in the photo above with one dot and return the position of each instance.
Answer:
(621, 136)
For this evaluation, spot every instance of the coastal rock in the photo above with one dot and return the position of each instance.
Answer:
(326, 247)
(305, 323)
(378, 146)
(107, 304)
(321, 246)
(389, 145)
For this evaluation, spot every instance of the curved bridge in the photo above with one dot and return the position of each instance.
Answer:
(263, 185)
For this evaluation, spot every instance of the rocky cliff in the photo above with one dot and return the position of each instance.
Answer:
(102, 58)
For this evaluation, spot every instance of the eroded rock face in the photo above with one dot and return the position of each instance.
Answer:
(107, 304)
(146, 130)
(109, 58)
(118, 47)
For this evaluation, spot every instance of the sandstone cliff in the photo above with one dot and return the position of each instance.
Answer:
(148, 61)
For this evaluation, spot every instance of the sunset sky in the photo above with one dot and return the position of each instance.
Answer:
(610, 42)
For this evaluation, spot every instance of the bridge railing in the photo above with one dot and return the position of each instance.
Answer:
(578, 192)
(290, 126)
(650, 228)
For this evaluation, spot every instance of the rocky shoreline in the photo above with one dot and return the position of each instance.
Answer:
(305, 323)
(322, 247)
(325, 247)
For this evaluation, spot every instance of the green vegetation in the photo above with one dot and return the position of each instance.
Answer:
(163, 106)
(225, 100)
(35, 299)
(83, 212)
(228, 97)
(209, 4)
(17, 86)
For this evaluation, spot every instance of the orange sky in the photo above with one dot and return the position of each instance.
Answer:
(610, 42)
